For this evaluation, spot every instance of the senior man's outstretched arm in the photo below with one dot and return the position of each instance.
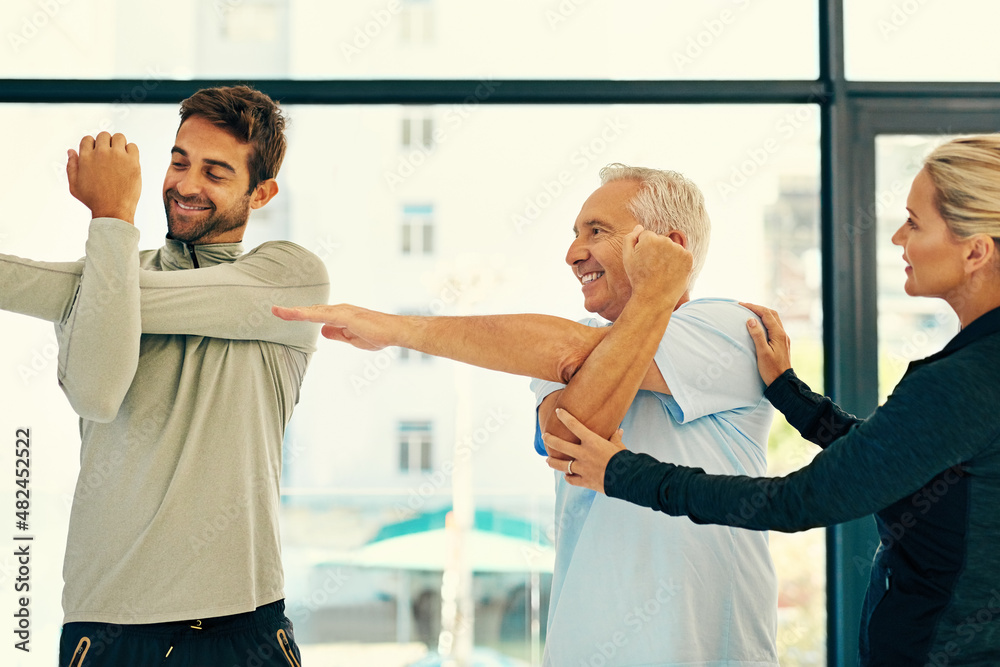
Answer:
(541, 346)
(611, 363)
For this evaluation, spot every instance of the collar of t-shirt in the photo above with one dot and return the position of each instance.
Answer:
(177, 255)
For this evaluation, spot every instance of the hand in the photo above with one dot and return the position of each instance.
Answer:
(364, 329)
(105, 176)
(774, 349)
(589, 459)
(657, 267)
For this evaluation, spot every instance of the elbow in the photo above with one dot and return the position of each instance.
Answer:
(101, 397)
(569, 365)
(95, 406)
(574, 352)
(102, 414)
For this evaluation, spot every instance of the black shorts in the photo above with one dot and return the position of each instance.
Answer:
(260, 638)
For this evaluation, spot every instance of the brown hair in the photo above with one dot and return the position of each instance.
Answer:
(250, 116)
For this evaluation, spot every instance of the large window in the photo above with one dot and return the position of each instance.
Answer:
(906, 40)
(507, 182)
(452, 190)
(431, 39)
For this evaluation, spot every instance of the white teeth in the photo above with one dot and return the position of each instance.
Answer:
(591, 277)
(190, 208)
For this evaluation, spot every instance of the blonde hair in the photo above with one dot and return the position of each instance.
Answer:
(966, 177)
(667, 201)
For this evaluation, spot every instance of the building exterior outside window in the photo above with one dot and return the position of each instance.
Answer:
(417, 229)
(416, 446)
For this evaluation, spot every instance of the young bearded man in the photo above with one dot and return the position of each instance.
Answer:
(184, 388)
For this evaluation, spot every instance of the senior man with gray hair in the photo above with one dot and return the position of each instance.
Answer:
(630, 587)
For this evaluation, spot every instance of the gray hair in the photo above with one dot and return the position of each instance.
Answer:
(667, 201)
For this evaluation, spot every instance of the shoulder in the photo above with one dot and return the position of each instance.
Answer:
(149, 259)
(290, 258)
(962, 384)
(282, 248)
(723, 315)
(973, 366)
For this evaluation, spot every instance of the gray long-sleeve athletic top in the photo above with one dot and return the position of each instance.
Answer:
(184, 382)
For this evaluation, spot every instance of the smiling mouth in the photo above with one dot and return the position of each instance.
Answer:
(588, 278)
(191, 208)
(187, 205)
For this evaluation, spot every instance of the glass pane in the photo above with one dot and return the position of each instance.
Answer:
(404, 453)
(915, 40)
(441, 39)
(425, 453)
(407, 140)
(407, 234)
(428, 137)
(908, 328)
(505, 184)
(428, 239)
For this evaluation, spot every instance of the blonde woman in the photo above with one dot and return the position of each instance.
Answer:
(927, 462)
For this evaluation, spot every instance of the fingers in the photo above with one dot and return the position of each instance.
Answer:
(108, 140)
(118, 142)
(72, 167)
(317, 313)
(631, 240)
(290, 314)
(559, 465)
(757, 310)
(768, 316)
(345, 335)
(87, 144)
(758, 335)
(771, 343)
(562, 465)
(573, 424)
(560, 445)
(635, 235)
(335, 333)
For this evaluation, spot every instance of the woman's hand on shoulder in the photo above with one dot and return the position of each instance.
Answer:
(773, 345)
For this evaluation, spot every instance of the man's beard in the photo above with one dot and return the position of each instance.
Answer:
(218, 222)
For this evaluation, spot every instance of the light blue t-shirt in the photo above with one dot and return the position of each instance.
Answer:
(635, 587)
